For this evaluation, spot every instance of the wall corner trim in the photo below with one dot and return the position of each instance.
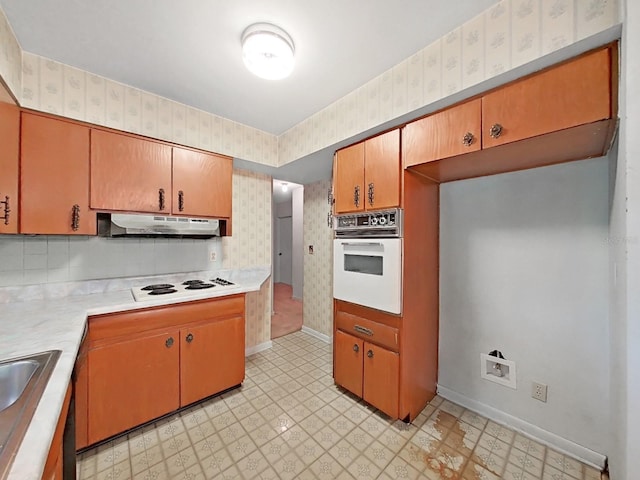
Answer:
(316, 334)
(261, 347)
(534, 432)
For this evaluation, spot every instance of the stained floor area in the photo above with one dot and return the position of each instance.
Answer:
(289, 420)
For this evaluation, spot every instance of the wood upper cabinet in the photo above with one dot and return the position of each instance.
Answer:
(348, 371)
(201, 184)
(367, 175)
(9, 158)
(129, 173)
(453, 131)
(212, 358)
(571, 94)
(132, 382)
(54, 177)
(381, 378)
(348, 178)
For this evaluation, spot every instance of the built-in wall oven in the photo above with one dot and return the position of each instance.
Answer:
(367, 259)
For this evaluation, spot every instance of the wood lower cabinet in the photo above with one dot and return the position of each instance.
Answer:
(201, 184)
(381, 378)
(131, 382)
(367, 175)
(129, 173)
(348, 371)
(9, 158)
(210, 360)
(137, 366)
(54, 177)
(54, 466)
(368, 371)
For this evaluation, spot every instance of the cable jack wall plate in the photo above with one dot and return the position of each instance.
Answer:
(498, 370)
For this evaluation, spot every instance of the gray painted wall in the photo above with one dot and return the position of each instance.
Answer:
(524, 269)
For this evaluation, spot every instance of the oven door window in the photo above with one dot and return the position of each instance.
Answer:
(367, 264)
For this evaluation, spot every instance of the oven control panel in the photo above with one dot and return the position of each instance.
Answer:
(383, 223)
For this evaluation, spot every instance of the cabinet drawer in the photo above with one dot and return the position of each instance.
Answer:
(368, 330)
(105, 328)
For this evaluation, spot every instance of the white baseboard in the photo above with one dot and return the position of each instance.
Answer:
(316, 334)
(534, 432)
(258, 348)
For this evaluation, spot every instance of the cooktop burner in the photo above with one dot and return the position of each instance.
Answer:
(162, 291)
(198, 286)
(159, 286)
(193, 288)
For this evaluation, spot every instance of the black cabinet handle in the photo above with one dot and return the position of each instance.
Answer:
(370, 354)
(169, 342)
(161, 198)
(189, 338)
(180, 200)
(75, 217)
(356, 348)
(7, 209)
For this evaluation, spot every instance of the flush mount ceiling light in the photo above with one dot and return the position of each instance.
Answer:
(285, 186)
(267, 51)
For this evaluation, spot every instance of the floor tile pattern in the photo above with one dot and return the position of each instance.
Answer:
(289, 420)
(287, 311)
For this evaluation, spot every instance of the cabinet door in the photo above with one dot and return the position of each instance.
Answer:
(347, 362)
(132, 382)
(201, 184)
(348, 179)
(453, 131)
(9, 146)
(54, 177)
(568, 95)
(212, 359)
(381, 374)
(382, 171)
(129, 173)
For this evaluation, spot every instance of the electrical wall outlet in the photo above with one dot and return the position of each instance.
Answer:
(213, 256)
(539, 391)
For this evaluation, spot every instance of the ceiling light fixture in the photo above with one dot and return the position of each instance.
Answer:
(267, 51)
(285, 187)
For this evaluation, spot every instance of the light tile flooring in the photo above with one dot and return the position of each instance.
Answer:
(289, 420)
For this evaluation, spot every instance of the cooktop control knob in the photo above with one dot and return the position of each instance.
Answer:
(373, 221)
(382, 220)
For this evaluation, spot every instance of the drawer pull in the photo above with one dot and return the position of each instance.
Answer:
(363, 330)
(370, 354)
(7, 210)
(356, 348)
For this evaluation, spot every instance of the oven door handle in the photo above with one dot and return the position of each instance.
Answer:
(361, 244)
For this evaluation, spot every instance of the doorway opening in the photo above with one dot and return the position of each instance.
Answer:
(288, 269)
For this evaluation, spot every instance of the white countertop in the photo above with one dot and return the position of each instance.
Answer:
(35, 325)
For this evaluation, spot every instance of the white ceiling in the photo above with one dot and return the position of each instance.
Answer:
(189, 50)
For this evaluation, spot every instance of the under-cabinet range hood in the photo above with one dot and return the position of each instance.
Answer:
(130, 225)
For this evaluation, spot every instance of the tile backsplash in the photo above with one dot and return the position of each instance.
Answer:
(27, 260)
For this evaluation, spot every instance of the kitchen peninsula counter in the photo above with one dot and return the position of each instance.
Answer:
(39, 318)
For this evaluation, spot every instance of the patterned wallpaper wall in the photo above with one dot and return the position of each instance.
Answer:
(10, 57)
(503, 37)
(63, 90)
(250, 245)
(318, 268)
